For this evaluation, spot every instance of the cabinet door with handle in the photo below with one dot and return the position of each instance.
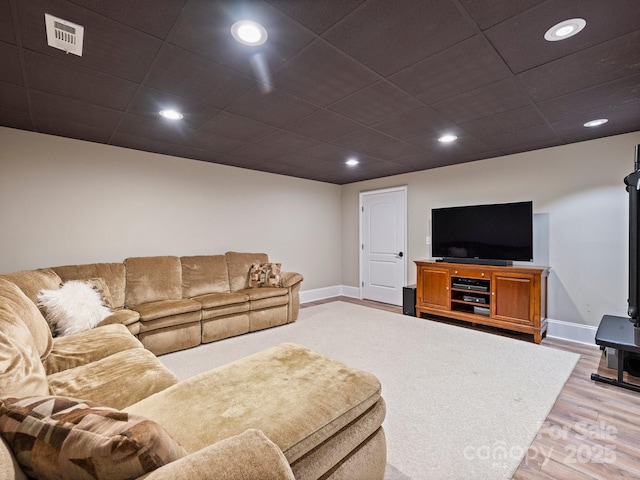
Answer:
(433, 288)
(512, 297)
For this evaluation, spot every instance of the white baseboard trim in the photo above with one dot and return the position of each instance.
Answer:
(573, 332)
(307, 296)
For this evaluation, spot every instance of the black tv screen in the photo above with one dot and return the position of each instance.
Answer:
(493, 232)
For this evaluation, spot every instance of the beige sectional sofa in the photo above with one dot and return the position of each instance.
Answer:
(283, 413)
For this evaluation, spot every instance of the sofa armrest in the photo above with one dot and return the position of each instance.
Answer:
(289, 279)
(248, 456)
(123, 316)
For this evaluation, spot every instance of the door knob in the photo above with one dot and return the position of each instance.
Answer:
(399, 255)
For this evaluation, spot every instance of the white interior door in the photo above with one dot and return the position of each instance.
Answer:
(383, 257)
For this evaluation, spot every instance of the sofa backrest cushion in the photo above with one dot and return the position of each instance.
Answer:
(204, 274)
(32, 281)
(21, 370)
(239, 265)
(150, 279)
(112, 274)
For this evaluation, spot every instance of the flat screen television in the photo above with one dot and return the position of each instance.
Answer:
(495, 234)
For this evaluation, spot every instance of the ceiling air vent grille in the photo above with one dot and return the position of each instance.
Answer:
(64, 35)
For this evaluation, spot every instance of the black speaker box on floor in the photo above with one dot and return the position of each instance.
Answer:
(409, 300)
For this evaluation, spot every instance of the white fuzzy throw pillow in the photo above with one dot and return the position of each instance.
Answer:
(74, 307)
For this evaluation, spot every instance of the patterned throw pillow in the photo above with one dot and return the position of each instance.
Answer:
(100, 286)
(264, 275)
(58, 437)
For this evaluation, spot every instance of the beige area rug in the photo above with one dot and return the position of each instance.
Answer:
(461, 404)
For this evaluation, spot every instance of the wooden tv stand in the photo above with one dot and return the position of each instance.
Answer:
(513, 298)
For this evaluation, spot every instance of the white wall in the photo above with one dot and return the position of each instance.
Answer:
(580, 217)
(65, 201)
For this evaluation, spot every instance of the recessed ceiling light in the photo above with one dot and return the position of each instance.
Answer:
(352, 162)
(564, 30)
(171, 114)
(447, 138)
(249, 33)
(596, 123)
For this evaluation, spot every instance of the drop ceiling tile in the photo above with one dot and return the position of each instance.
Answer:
(376, 103)
(193, 153)
(212, 142)
(297, 160)
(290, 142)
(520, 40)
(139, 143)
(490, 12)
(466, 66)
(329, 153)
(235, 161)
(109, 46)
(7, 33)
(324, 126)
(204, 28)
(154, 128)
(528, 147)
(60, 77)
(11, 70)
(363, 140)
(482, 102)
(618, 93)
(395, 151)
(235, 126)
(511, 139)
(318, 16)
(154, 17)
(414, 123)
(618, 129)
(321, 74)
(573, 127)
(13, 97)
(149, 102)
(509, 121)
(48, 106)
(258, 153)
(15, 119)
(593, 66)
(63, 128)
(389, 36)
(190, 76)
(276, 108)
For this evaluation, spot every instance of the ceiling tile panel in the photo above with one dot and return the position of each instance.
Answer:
(63, 128)
(137, 142)
(592, 100)
(258, 153)
(602, 63)
(190, 76)
(520, 40)
(573, 127)
(290, 142)
(13, 97)
(154, 128)
(324, 126)
(483, 102)
(297, 160)
(322, 75)
(363, 140)
(149, 102)
(539, 133)
(389, 36)
(48, 106)
(158, 18)
(276, 108)
(11, 70)
(329, 153)
(318, 16)
(395, 150)
(7, 33)
(510, 121)
(468, 65)
(413, 123)
(109, 46)
(15, 119)
(204, 28)
(376, 103)
(213, 143)
(490, 12)
(195, 153)
(236, 126)
(527, 147)
(60, 77)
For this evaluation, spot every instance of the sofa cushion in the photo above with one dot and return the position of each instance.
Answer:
(112, 274)
(115, 381)
(166, 308)
(297, 397)
(88, 346)
(32, 281)
(100, 286)
(239, 265)
(204, 274)
(21, 369)
(216, 300)
(264, 275)
(256, 294)
(59, 437)
(123, 316)
(72, 308)
(150, 279)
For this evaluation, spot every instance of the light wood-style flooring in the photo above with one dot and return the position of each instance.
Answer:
(592, 431)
